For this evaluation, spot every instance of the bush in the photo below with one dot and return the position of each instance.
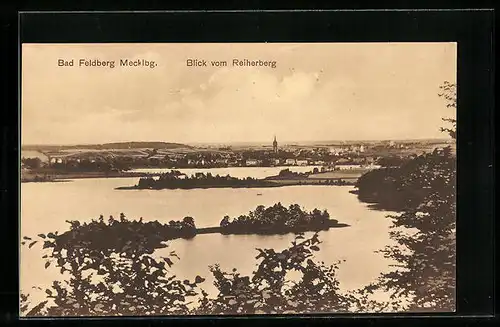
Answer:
(112, 271)
(270, 290)
(117, 279)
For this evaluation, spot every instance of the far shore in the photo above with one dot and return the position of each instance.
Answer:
(349, 177)
(32, 177)
(265, 184)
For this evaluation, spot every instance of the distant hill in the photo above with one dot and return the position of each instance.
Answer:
(108, 146)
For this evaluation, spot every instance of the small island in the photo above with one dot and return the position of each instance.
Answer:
(278, 219)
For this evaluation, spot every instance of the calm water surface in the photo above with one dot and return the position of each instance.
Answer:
(46, 206)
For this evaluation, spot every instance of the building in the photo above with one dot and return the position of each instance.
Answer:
(175, 156)
(302, 162)
(372, 166)
(275, 145)
(347, 167)
(157, 157)
(59, 158)
(252, 162)
(290, 162)
(336, 150)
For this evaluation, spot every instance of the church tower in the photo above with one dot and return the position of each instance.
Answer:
(275, 145)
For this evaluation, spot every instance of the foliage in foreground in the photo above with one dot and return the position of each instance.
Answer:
(425, 228)
(112, 271)
(272, 289)
(126, 279)
(425, 236)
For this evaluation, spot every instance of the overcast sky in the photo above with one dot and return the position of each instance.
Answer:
(317, 92)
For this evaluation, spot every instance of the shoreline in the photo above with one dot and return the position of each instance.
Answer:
(275, 183)
(67, 177)
(330, 224)
(271, 181)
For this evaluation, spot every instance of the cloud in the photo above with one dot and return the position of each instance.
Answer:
(317, 91)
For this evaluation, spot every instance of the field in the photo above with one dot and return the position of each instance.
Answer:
(305, 181)
(33, 154)
(343, 174)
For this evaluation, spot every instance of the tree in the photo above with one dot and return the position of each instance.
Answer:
(270, 290)
(188, 222)
(118, 276)
(224, 222)
(111, 272)
(426, 258)
(32, 163)
(449, 93)
(426, 268)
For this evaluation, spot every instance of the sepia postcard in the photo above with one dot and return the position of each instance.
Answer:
(186, 179)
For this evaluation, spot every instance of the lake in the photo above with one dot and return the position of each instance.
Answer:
(46, 206)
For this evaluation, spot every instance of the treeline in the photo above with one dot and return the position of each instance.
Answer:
(107, 146)
(85, 165)
(277, 219)
(400, 188)
(176, 180)
(80, 165)
(106, 236)
(393, 161)
(31, 163)
(288, 174)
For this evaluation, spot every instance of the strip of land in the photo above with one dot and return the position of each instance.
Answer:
(270, 230)
(258, 184)
(43, 176)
